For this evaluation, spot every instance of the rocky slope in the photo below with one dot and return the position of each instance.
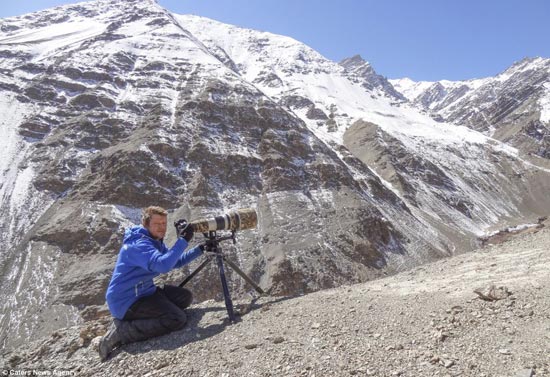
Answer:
(108, 106)
(424, 322)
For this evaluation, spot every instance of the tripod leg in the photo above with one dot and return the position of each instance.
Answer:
(226, 296)
(244, 276)
(203, 265)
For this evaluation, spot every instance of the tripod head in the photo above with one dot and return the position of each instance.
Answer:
(211, 245)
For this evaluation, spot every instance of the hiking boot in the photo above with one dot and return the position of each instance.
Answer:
(109, 342)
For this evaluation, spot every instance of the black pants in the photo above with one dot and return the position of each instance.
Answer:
(154, 315)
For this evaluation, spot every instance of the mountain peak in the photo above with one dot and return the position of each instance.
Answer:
(354, 62)
(527, 63)
(359, 70)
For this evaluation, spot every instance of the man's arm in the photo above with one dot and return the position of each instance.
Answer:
(146, 256)
(189, 255)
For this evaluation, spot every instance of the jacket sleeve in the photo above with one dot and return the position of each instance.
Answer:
(149, 258)
(188, 256)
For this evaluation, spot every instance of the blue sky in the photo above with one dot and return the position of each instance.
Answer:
(420, 39)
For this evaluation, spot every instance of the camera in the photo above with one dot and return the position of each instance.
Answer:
(240, 219)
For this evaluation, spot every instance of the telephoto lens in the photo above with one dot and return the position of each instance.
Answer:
(240, 219)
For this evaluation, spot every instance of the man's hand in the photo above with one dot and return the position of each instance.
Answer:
(184, 230)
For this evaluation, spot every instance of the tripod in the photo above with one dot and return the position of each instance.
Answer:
(213, 250)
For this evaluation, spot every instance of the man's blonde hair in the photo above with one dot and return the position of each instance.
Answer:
(149, 212)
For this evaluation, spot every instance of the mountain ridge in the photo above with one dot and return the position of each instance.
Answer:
(510, 106)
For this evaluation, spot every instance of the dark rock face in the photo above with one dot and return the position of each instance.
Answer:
(34, 130)
(126, 178)
(294, 101)
(539, 136)
(435, 93)
(315, 113)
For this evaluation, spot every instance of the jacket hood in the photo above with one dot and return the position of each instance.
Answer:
(135, 232)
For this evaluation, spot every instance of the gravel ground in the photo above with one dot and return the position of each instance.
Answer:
(423, 322)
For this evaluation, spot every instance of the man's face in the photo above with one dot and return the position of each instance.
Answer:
(157, 226)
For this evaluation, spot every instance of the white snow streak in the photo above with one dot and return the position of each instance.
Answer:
(544, 104)
(45, 40)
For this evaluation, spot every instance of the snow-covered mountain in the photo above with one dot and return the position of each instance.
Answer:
(511, 107)
(108, 106)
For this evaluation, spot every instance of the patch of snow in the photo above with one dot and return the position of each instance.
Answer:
(512, 229)
(12, 113)
(20, 188)
(409, 88)
(127, 216)
(544, 104)
(45, 40)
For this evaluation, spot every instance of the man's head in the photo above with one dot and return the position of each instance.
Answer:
(155, 220)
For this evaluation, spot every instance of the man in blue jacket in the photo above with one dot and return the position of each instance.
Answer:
(140, 309)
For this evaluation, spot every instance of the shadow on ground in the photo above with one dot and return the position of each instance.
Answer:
(194, 331)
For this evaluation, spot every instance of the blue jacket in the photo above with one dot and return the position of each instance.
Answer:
(142, 258)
